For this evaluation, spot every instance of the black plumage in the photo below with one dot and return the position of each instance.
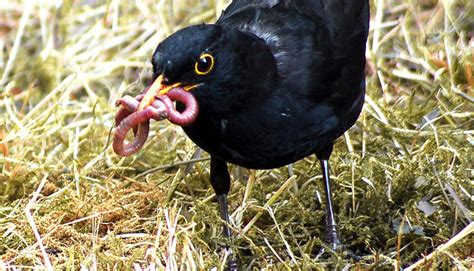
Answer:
(287, 79)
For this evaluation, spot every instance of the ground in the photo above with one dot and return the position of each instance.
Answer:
(403, 175)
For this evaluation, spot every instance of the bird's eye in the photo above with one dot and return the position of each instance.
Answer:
(204, 64)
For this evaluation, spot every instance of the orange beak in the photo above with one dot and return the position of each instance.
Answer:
(157, 88)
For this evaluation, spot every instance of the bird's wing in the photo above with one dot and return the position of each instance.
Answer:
(239, 5)
(326, 68)
(344, 18)
(321, 59)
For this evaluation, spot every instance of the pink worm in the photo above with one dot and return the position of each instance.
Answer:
(129, 117)
(140, 119)
(189, 114)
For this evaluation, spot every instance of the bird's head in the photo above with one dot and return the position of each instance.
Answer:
(223, 68)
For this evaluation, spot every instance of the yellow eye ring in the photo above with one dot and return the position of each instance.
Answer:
(204, 65)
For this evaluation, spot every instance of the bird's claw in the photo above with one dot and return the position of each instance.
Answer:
(333, 248)
(232, 265)
(231, 261)
(331, 237)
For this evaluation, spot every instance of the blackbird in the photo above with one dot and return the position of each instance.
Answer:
(274, 81)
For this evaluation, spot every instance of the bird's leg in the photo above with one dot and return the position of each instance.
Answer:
(222, 200)
(331, 227)
(220, 181)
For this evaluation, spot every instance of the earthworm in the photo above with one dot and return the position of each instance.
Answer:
(140, 119)
(129, 105)
(190, 112)
(130, 117)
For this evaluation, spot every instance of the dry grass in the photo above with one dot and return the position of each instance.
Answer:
(404, 174)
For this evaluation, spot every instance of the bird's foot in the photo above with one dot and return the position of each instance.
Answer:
(334, 245)
(337, 248)
(328, 250)
(232, 265)
(332, 237)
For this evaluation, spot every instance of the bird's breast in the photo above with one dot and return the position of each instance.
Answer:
(259, 141)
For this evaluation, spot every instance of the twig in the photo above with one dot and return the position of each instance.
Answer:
(175, 164)
(377, 23)
(32, 222)
(272, 200)
(28, 7)
(458, 237)
(282, 236)
(457, 200)
(399, 242)
(276, 254)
